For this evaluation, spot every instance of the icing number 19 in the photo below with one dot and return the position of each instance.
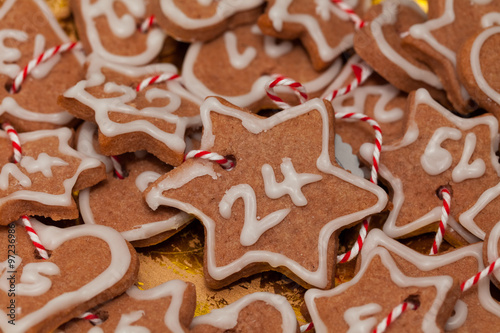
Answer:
(292, 185)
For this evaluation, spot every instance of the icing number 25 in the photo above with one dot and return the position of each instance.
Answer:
(436, 159)
(292, 185)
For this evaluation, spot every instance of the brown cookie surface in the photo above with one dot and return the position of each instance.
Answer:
(313, 23)
(28, 28)
(154, 119)
(49, 170)
(48, 293)
(274, 201)
(203, 20)
(109, 29)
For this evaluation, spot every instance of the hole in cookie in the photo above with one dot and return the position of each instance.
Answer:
(39, 257)
(414, 299)
(232, 160)
(8, 86)
(441, 188)
(498, 155)
(103, 315)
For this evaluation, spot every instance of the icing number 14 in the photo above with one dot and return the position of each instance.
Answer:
(292, 185)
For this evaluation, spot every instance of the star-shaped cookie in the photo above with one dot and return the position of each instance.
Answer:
(88, 265)
(437, 41)
(28, 28)
(287, 181)
(154, 119)
(43, 181)
(438, 149)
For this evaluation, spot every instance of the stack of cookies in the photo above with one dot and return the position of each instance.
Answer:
(327, 141)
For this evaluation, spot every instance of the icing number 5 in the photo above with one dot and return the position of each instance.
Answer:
(292, 184)
(436, 159)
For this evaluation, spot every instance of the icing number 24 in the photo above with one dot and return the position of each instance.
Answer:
(436, 159)
(292, 185)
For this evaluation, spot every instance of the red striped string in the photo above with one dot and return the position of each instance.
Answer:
(94, 319)
(361, 72)
(14, 139)
(358, 22)
(46, 55)
(117, 167)
(306, 327)
(147, 24)
(214, 157)
(351, 254)
(444, 193)
(466, 285)
(156, 79)
(280, 80)
(395, 313)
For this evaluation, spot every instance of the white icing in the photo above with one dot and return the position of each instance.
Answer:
(257, 89)
(253, 227)
(174, 289)
(144, 179)
(386, 92)
(275, 49)
(434, 213)
(10, 106)
(492, 248)
(124, 325)
(475, 63)
(44, 164)
(353, 316)
(464, 170)
(291, 185)
(85, 144)
(122, 27)
(103, 106)
(62, 199)
(225, 9)
(238, 60)
(227, 318)
(490, 19)
(442, 285)
(257, 125)
(42, 70)
(11, 169)
(458, 318)
(8, 55)
(435, 159)
(31, 283)
(278, 14)
(389, 16)
(52, 238)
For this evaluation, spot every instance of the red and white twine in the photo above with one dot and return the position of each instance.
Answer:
(34, 237)
(214, 157)
(46, 55)
(14, 139)
(395, 313)
(306, 327)
(117, 167)
(358, 22)
(280, 80)
(466, 285)
(156, 79)
(147, 24)
(349, 255)
(445, 194)
(94, 319)
(361, 72)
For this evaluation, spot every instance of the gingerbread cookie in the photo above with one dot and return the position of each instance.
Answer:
(238, 64)
(118, 203)
(154, 119)
(43, 181)
(87, 266)
(286, 192)
(478, 71)
(438, 149)
(166, 308)
(109, 28)
(203, 20)
(378, 287)
(379, 44)
(376, 98)
(437, 41)
(28, 28)
(313, 22)
(257, 312)
(491, 251)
